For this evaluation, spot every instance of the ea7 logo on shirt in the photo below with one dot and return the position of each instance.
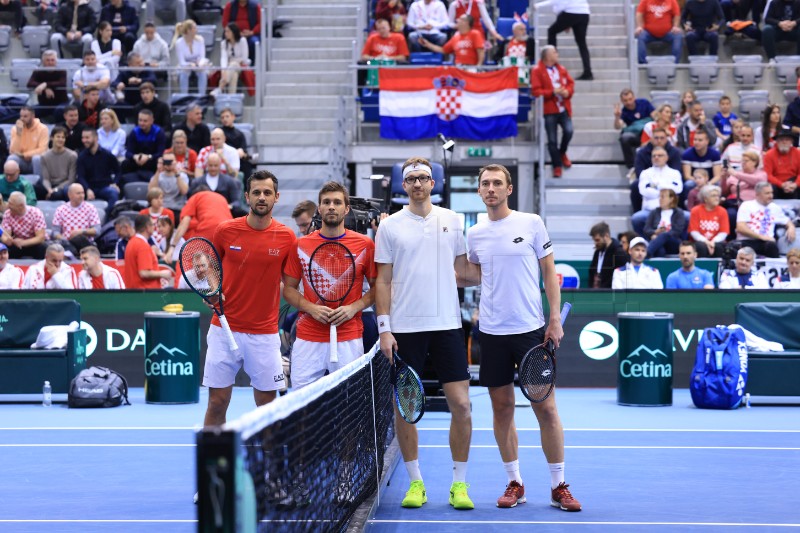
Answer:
(547, 245)
(518, 240)
(274, 251)
(280, 377)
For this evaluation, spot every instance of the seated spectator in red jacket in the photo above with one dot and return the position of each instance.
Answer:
(384, 44)
(782, 165)
(709, 224)
(89, 111)
(551, 82)
(466, 44)
(394, 11)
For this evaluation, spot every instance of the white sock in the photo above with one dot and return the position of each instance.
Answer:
(412, 467)
(459, 472)
(512, 470)
(556, 474)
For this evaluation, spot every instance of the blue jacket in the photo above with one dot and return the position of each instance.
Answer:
(128, 17)
(98, 170)
(138, 142)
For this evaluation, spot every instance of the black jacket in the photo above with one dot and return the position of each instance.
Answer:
(226, 187)
(86, 19)
(614, 258)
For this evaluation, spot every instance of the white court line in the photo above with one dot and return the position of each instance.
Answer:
(630, 447)
(562, 523)
(97, 445)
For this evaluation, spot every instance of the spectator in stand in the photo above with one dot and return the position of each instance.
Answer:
(97, 170)
(770, 124)
(156, 210)
(743, 276)
(154, 50)
(427, 20)
(723, 119)
(247, 16)
(74, 128)
(51, 272)
(477, 10)
(166, 228)
(144, 145)
(13, 8)
(625, 239)
(701, 155)
(658, 20)
(651, 181)
(608, 256)
(662, 119)
(790, 280)
(736, 127)
(11, 276)
(107, 49)
(226, 152)
(518, 46)
(742, 18)
(89, 110)
(173, 184)
(197, 134)
(385, 44)
(234, 137)
(466, 45)
(635, 274)
(124, 22)
(58, 166)
(665, 226)
(233, 59)
(75, 23)
(571, 14)
(687, 97)
(221, 184)
(76, 222)
(11, 182)
(130, 79)
(190, 52)
(123, 226)
(23, 228)
(92, 75)
(696, 119)
(394, 11)
(551, 81)
(782, 165)
(630, 117)
(780, 24)
(110, 135)
(303, 213)
(644, 160)
(756, 221)
(709, 225)
(96, 275)
(49, 84)
(185, 157)
(700, 179)
(162, 116)
(141, 263)
(689, 277)
(732, 156)
(740, 185)
(201, 215)
(701, 19)
(28, 139)
(178, 7)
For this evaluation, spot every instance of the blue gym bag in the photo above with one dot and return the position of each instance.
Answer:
(720, 369)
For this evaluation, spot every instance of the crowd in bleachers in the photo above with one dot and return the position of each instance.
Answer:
(92, 154)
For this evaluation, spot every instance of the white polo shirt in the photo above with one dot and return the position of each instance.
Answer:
(508, 251)
(422, 252)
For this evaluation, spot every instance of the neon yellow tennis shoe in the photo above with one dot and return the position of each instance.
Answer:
(459, 498)
(415, 496)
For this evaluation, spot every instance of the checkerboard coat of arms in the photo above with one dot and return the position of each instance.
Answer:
(449, 90)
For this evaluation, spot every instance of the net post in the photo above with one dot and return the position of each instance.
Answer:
(220, 505)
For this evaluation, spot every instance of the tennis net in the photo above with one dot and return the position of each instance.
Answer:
(304, 462)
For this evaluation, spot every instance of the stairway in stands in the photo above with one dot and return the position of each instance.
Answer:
(595, 188)
(308, 74)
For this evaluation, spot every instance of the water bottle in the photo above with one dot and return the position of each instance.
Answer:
(47, 393)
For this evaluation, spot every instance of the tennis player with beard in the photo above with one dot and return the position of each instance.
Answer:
(509, 253)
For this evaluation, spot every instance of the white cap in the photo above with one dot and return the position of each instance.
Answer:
(637, 240)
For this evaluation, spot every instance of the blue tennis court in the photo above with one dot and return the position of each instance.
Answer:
(679, 468)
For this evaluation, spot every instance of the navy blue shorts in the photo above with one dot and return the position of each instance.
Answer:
(446, 348)
(502, 354)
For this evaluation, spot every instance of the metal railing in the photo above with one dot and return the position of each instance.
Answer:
(633, 61)
(539, 133)
(337, 155)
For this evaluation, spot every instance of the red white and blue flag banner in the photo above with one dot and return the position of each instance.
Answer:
(420, 103)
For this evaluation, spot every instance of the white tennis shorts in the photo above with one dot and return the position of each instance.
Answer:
(259, 354)
(310, 360)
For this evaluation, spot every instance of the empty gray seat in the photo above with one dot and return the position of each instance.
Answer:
(235, 102)
(703, 70)
(212, 14)
(35, 39)
(748, 69)
(48, 208)
(136, 190)
(661, 70)
(785, 67)
(752, 104)
(21, 70)
(101, 206)
(710, 101)
(789, 95)
(207, 32)
(247, 131)
(166, 32)
(5, 38)
(673, 98)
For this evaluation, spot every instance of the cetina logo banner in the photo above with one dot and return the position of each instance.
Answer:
(599, 340)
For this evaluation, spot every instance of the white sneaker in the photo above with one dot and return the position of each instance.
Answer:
(216, 92)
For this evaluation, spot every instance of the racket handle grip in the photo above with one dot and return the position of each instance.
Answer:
(334, 340)
(231, 341)
(565, 311)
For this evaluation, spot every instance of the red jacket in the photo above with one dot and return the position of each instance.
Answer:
(542, 86)
(779, 167)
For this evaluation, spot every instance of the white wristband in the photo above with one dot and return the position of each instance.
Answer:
(383, 324)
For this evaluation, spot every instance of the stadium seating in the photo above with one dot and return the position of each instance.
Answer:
(211, 15)
(673, 98)
(101, 206)
(135, 191)
(233, 101)
(247, 131)
(752, 104)
(789, 95)
(703, 70)
(166, 33)
(207, 32)
(21, 70)
(710, 101)
(369, 101)
(748, 69)
(661, 70)
(398, 194)
(5, 39)
(508, 8)
(785, 67)
(48, 208)
(425, 58)
(35, 39)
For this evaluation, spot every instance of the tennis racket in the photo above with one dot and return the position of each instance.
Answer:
(408, 392)
(332, 273)
(537, 372)
(202, 270)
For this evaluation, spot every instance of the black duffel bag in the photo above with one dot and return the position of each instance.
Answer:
(98, 386)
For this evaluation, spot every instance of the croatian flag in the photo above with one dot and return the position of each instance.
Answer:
(420, 103)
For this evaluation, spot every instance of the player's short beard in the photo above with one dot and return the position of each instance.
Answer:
(256, 214)
(329, 225)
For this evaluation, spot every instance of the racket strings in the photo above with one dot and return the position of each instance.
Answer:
(332, 272)
(537, 375)
(201, 267)
(410, 398)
